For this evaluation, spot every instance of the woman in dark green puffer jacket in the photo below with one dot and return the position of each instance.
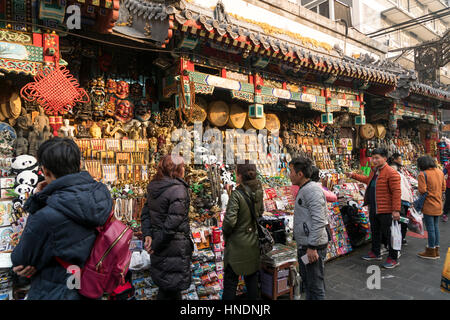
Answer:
(241, 236)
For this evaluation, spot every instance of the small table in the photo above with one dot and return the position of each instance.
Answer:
(274, 273)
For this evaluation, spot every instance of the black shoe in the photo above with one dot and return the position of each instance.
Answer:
(404, 242)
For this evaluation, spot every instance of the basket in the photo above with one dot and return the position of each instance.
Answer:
(199, 113)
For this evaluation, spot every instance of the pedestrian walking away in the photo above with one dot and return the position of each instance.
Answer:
(447, 194)
(310, 228)
(407, 197)
(242, 254)
(166, 230)
(432, 184)
(64, 212)
(383, 196)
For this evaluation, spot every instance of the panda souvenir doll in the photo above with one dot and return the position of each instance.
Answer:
(27, 170)
(24, 163)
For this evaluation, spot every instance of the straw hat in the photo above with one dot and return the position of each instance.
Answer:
(218, 113)
(255, 123)
(237, 117)
(2, 117)
(380, 131)
(15, 105)
(4, 108)
(272, 122)
(367, 131)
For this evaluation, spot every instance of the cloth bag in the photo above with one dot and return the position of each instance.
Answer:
(396, 236)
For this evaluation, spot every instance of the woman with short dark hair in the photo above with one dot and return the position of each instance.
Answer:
(240, 231)
(431, 182)
(64, 212)
(166, 230)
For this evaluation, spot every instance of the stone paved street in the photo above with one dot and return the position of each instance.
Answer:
(415, 278)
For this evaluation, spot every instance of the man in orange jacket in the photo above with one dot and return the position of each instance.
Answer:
(383, 196)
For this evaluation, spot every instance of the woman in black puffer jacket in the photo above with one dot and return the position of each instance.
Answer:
(165, 226)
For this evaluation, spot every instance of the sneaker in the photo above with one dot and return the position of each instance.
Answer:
(444, 218)
(390, 263)
(371, 256)
(399, 254)
(404, 242)
(384, 251)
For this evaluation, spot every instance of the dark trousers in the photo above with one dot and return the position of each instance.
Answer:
(168, 295)
(230, 282)
(313, 275)
(447, 201)
(404, 226)
(380, 225)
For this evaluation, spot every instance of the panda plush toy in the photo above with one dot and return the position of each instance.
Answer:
(27, 170)
(24, 163)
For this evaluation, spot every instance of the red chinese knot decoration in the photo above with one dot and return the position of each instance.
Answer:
(54, 89)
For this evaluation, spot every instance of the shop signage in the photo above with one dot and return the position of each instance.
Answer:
(309, 98)
(223, 83)
(281, 93)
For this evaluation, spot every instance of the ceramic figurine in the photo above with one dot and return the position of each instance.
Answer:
(41, 120)
(21, 144)
(82, 131)
(47, 134)
(67, 129)
(32, 141)
(95, 131)
(24, 121)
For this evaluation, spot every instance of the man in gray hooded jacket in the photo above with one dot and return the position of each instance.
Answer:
(310, 227)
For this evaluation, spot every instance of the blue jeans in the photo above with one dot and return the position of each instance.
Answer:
(432, 225)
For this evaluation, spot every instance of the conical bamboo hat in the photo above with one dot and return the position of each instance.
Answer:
(218, 113)
(237, 117)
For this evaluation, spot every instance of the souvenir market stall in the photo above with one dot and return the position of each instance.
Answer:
(224, 93)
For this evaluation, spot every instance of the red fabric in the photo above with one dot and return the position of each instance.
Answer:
(122, 288)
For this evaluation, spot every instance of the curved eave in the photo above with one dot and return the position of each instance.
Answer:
(270, 47)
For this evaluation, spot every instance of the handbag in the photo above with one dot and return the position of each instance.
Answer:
(418, 204)
(265, 239)
(396, 236)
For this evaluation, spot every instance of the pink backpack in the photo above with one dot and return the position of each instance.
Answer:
(108, 263)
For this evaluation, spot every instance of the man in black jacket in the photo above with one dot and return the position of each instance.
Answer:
(63, 214)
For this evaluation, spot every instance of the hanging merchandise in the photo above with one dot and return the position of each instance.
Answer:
(55, 89)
